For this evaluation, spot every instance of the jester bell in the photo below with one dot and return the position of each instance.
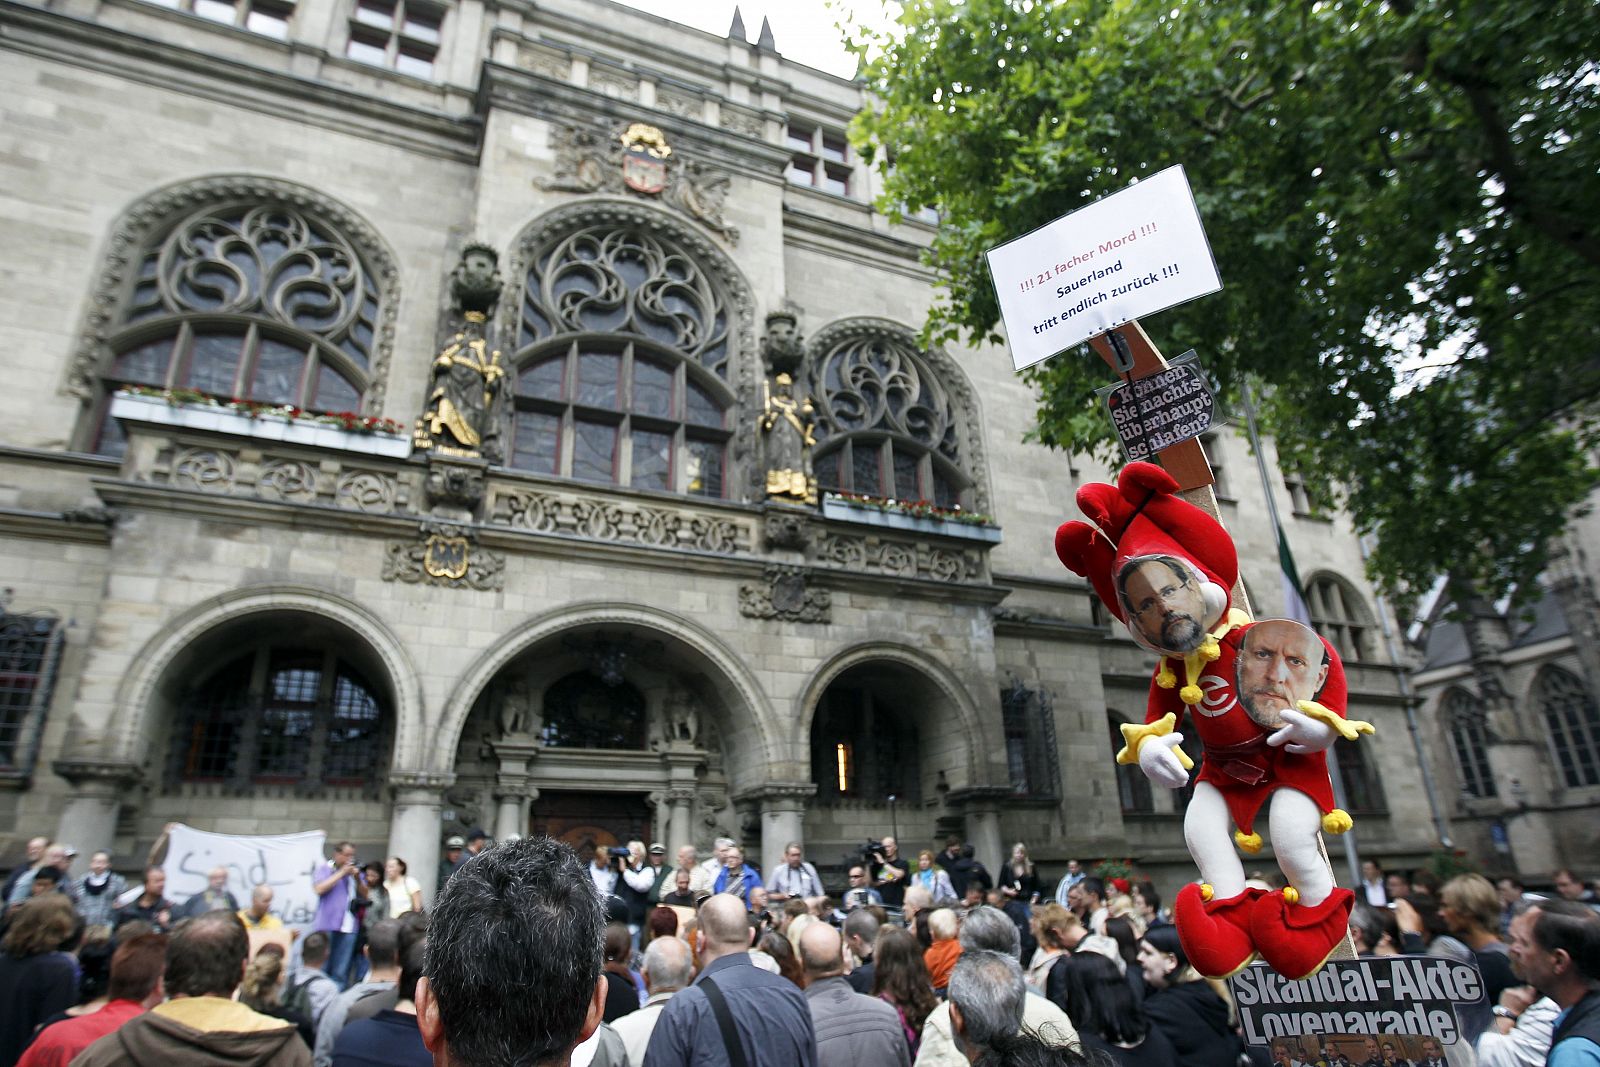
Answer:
(644, 159)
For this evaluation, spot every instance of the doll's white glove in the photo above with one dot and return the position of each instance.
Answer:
(1162, 761)
(1302, 735)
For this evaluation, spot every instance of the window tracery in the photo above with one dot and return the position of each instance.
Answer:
(239, 290)
(605, 278)
(890, 422)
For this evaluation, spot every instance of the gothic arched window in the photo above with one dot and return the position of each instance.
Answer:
(1572, 723)
(886, 424)
(282, 715)
(622, 364)
(582, 711)
(1339, 614)
(259, 300)
(1469, 739)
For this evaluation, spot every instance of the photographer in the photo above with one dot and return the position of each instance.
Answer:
(606, 869)
(336, 884)
(889, 873)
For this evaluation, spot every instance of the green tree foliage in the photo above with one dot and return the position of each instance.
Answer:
(1401, 197)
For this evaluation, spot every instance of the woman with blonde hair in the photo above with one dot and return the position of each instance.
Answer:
(261, 990)
(1058, 931)
(933, 878)
(1017, 878)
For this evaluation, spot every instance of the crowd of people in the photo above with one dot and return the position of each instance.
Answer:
(533, 955)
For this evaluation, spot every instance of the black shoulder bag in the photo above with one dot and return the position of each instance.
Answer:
(730, 1035)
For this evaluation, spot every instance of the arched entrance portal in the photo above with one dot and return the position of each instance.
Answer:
(888, 743)
(600, 734)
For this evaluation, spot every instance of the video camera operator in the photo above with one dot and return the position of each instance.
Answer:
(888, 872)
(605, 870)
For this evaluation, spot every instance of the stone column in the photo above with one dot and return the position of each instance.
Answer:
(89, 819)
(513, 785)
(983, 830)
(783, 810)
(513, 793)
(414, 824)
(679, 832)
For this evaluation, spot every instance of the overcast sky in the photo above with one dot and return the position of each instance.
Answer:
(804, 30)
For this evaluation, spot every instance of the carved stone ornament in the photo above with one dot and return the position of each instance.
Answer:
(638, 159)
(454, 487)
(785, 528)
(784, 595)
(318, 267)
(445, 554)
(782, 346)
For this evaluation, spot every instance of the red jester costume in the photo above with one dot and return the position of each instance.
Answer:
(1268, 700)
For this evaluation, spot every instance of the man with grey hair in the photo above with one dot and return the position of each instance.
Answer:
(851, 1028)
(668, 967)
(987, 992)
(714, 864)
(987, 929)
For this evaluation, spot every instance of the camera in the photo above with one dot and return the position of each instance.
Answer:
(872, 848)
(618, 852)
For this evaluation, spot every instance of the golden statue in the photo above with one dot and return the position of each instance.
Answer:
(787, 435)
(461, 412)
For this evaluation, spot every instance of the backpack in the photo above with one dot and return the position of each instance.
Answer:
(297, 1001)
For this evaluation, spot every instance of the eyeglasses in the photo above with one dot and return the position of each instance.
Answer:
(1165, 595)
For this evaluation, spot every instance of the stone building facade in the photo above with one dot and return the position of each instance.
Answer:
(574, 591)
(1507, 695)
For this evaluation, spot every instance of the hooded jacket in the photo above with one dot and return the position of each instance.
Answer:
(196, 1031)
(1195, 1020)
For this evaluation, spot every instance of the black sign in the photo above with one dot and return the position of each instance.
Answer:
(1154, 413)
(1416, 997)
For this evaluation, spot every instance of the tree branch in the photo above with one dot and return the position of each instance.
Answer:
(1565, 230)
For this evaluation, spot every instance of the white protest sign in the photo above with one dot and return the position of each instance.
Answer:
(1130, 254)
(283, 861)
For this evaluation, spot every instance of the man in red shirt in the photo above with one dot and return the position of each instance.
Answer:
(136, 969)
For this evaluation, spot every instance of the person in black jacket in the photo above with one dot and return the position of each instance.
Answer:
(1183, 1006)
(1101, 1005)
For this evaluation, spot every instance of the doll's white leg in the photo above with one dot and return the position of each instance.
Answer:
(1296, 822)
(1208, 831)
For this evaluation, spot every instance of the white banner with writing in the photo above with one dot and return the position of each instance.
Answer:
(283, 861)
(1129, 254)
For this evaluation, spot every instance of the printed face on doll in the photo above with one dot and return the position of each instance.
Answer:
(1164, 603)
(1281, 662)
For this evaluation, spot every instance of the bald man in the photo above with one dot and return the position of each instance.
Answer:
(1281, 663)
(769, 1015)
(851, 1027)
